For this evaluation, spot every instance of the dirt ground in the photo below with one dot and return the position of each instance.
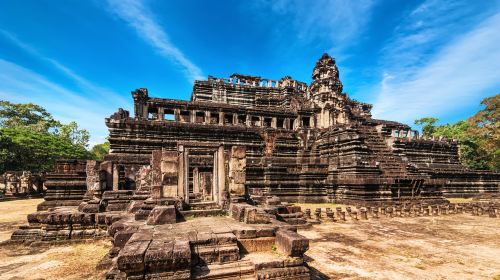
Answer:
(75, 261)
(444, 247)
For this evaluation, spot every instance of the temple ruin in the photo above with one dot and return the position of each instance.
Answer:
(204, 189)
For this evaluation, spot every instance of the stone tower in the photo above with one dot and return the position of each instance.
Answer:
(326, 92)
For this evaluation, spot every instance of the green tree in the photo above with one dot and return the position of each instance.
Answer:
(427, 125)
(29, 115)
(31, 139)
(74, 134)
(100, 150)
(24, 149)
(485, 129)
(479, 135)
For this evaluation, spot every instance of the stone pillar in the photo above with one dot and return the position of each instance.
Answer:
(221, 118)
(207, 117)
(248, 120)
(287, 123)
(235, 119)
(169, 168)
(177, 116)
(161, 113)
(237, 171)
(221, 174)
(274, 122)
(196, 181)
(181, 171)
(116, 177)
(192, 116)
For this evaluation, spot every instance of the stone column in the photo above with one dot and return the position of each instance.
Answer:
(274, 122)
(237, 171)
(116, 177)
(161, 113)
(221, 118)
(248, 120)
(207, 117)
(192, 116)
(221, 176)
(177, 116)
(196, 181)
(181, 181)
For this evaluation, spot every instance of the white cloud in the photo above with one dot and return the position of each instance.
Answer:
(85, 85)
(462, 72)
(140, 18)
(340, 22)
(21, 85)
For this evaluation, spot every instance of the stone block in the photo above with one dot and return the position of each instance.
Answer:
(182, 255)
(131, 257)
(254, 215)
(162, 215)
(159, 256)
(291, 244)
(262, 244)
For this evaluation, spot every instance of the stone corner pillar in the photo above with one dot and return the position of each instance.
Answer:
(237, 171)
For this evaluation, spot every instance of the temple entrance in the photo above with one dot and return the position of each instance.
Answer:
(203, 172)
(201, 169)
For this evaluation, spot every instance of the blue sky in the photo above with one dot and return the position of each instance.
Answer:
(410, 59)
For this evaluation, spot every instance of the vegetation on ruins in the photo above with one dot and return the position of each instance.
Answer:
(100, 150)
(31, 139)
(479, 135)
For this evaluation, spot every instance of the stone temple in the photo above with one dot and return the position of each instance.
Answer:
(194, 189)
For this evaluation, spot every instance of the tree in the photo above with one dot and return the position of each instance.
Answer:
(485, 129)
(427, 125)
(479, 135)
(31, 139)
(100, 150)
(24, 149)
(29, 115)
(74, 134)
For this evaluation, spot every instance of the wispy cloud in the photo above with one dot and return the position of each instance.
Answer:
(84, 84)
(437, 63)
(338, 22)
(142, 20)
(21, 85)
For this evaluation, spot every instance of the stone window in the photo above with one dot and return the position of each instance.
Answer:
(228, 118)
(267, 122)
(280, 123)
(169, 115)
(255, 121)
(184, 116)
(200, 117)
(306, 121)
(214, 117)
(242, 119)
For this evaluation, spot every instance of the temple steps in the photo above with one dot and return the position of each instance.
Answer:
(203, 205)
(188, 214)
(236, 270)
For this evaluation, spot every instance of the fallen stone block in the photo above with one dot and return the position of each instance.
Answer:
(161, 215)
(291, 244)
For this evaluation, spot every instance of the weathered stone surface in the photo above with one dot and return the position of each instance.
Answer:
(162, 215)
(290, 243)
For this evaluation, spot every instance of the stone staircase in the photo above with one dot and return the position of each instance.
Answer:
(200, 208)
(389, 164)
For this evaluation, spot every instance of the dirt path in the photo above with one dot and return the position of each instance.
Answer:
(76, 261)
(13, 214)
(445, 247)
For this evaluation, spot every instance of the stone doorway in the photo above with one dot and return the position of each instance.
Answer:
(202, 172)
(200, 178)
